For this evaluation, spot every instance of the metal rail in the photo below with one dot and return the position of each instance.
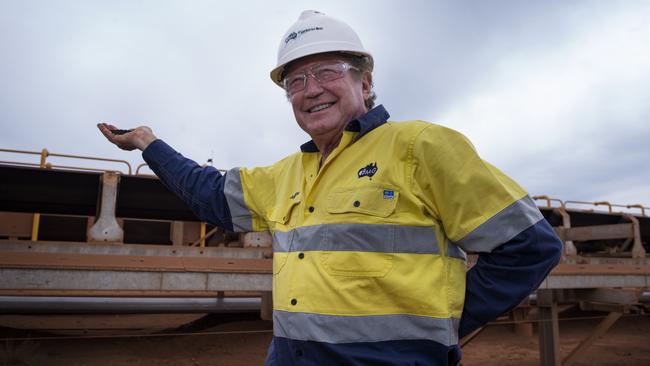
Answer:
(44, 154)
(548, 200)
(563, 204)
(137, 169)
(603, 203)
(637, 205)
(131, 305)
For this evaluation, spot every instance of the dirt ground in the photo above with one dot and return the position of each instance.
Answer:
(626, 343)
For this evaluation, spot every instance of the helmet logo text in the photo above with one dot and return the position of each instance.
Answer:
(295, 35)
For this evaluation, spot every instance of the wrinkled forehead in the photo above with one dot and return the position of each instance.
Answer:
(306, 62)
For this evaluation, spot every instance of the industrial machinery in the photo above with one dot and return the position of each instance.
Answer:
(99, 241)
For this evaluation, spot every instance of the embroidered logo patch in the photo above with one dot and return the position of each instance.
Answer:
(389, 194)
(368, 170)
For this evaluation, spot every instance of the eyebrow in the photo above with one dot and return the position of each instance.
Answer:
(302, 71)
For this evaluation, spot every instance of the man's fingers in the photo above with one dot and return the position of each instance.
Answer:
(106, 132)
(103, 129)
(126, 140)
(106, 128)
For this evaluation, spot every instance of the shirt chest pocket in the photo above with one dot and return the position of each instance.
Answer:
(365, 249)
(371, 202)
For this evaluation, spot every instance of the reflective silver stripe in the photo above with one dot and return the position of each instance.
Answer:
(455, 251)
(358, 237)
(241, 216)
(502, 227)
(368, 328)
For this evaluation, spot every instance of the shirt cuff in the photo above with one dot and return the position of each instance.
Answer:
(158, 152)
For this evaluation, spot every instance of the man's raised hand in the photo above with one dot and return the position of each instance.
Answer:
(137, 138)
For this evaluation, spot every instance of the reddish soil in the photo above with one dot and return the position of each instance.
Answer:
(626, 343)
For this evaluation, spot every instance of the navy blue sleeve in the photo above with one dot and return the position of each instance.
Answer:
(501, 279)
(200, 187)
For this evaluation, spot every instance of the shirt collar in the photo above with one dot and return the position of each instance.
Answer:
(364, 124)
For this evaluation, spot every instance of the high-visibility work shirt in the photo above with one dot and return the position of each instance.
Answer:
(369, 246)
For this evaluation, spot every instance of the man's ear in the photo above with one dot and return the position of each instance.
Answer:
(366, 84)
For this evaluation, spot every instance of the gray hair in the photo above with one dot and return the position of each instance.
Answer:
(363, 64)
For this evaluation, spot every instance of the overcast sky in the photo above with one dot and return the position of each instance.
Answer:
(555, 93)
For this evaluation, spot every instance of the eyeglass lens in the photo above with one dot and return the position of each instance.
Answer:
(322, 73)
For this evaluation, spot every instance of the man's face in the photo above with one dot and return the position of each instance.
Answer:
(323, 110)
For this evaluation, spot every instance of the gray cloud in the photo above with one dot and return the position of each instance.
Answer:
(554, 93)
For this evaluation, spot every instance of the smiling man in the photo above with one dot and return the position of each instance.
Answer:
(370, 220)
(327, 92)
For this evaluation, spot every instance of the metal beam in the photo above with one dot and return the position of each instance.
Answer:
(604, 325)
(609, 295)
(189, 263)
(131, 305)
(37, 261)
(266, 312)
(21, 246)
(109, 280)
(549, 329)
(126, 293)
(599, 232)
(595, 281)
(566, 276)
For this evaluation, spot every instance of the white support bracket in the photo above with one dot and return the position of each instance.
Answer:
(637, 247)
(569, 247)
(106, 228)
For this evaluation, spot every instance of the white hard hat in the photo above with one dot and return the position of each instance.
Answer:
(313, 33)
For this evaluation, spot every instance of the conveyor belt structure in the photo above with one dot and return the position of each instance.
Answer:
(88, 235)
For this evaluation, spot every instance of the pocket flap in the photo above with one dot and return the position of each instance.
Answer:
(356, 264)
(375, 201)
(282, 212)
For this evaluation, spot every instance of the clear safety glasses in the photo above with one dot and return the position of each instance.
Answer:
(323, 73)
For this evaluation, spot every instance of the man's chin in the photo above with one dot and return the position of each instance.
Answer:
(317, 126)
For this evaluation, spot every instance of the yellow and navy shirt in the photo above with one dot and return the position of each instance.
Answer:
(369, 246)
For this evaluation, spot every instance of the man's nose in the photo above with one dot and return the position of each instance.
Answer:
(312, 86)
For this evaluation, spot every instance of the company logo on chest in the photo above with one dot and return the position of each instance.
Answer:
(368, 171)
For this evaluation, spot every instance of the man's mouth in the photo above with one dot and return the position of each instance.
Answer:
(320, 107)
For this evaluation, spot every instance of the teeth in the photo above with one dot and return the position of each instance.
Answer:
(320, 107)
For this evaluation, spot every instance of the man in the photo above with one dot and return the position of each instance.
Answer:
(370, 220)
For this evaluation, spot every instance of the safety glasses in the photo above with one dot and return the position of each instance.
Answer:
(323, 73)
